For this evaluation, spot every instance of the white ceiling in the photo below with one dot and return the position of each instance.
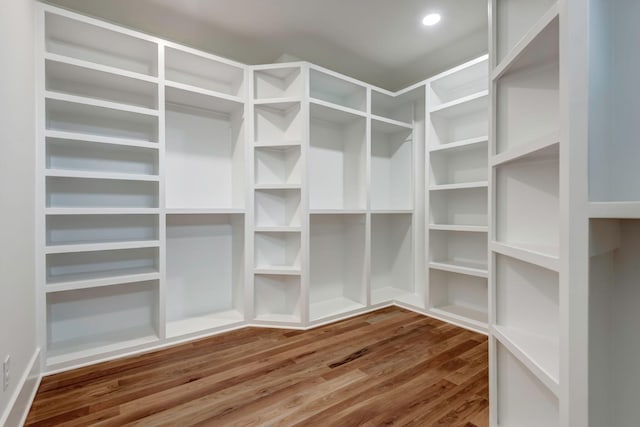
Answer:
(379, 41)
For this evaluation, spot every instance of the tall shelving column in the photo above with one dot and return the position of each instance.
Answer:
(394, 148)
(98, 154)
(204, 153)
(337, 185)
(456, 193)
(525, 235)
(279, 193)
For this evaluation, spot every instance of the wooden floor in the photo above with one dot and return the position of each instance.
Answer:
(389, 367)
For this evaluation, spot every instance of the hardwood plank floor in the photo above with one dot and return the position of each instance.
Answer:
(388, 367)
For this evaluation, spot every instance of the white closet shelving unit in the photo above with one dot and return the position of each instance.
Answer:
(279, 213)
(184, 194)
(457, 183)
(524, 232)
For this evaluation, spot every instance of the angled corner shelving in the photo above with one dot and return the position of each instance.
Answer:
(456, 193)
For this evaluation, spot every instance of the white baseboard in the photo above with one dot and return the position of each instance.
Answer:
(20, 403)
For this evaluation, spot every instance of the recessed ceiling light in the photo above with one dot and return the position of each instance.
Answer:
(431, 19)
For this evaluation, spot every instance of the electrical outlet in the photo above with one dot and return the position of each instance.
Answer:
(6, 371)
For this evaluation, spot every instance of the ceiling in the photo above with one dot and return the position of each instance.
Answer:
(378, 41)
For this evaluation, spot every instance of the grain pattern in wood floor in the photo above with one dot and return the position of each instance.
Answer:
(388, 367)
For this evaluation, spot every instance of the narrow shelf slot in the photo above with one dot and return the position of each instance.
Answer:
(534, 223)
(79, 118)
(280, 123)
(205, 271)
(277, 251)
(459, 166)
(527, 101)
(470, 123)
(337, 144)
(62, 230)
(336, 90)
(527, 311)
(204, 71)
(391, 256)
(98, 265)
(277, 208)
(516, 18)
(277, 298)
(79, 155)
(99, 85)
(204, 145)
(459, 84)
(280, 82)
(459, 207)
(337, 269)
(100, 193)
(460, 297)
(395, 107)
(391, 167)
(459, 252)
(85, 323)
(278, 165)
(93, 43)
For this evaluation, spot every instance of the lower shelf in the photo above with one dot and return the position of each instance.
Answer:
(333, 307)
(387, 294)
(462, 267)
(278, 318)
(461, 313)
(539, 354)
(523, 400)
(197, 324)
(99, 344)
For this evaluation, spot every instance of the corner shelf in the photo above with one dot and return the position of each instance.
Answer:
(329, 88)
(391, 260)
(277, 82)
(189, 67)
(199, 248)
(337, 263)
(83, 323)
(537, 353)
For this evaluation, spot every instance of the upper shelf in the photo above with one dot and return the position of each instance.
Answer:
(538, 45)
(277, 82)
(100, 45)
(70, 79)
(468, 79)
(469, 104)
(400, 108)
(517, 22)
(204, 71)
(186, 96)
(336, 90)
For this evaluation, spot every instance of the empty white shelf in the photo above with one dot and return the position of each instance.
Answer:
(333, 307)
(451, 227)
(547, 147)
(462, 267)
(542, 256)
(190, 325)
(460, 145)
(479, 184)
(462, 314)
(541, 355)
